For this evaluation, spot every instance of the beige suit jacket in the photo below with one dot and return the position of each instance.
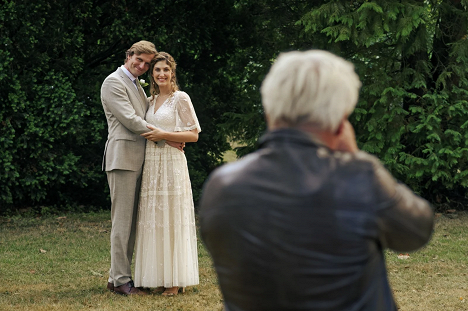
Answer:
(125, 108)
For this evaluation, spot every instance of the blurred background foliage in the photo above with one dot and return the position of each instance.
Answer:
(412, 57)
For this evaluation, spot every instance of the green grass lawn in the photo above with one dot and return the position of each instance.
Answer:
(61, 263)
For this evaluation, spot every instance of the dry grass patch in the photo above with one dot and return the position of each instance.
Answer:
(230, 155)
(434, 278)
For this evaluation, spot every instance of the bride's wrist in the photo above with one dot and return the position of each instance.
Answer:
(165, 135)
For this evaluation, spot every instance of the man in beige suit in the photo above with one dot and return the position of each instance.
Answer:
(125, 105)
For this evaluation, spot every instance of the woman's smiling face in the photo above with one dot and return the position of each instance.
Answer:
(162, 74)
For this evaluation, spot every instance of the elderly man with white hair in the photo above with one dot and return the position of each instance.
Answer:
(302, 223)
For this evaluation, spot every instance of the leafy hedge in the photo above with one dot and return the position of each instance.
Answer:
(411, 56)
(53, 59)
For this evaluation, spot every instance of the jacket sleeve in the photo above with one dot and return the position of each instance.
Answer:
(405, 220)
(117, 102)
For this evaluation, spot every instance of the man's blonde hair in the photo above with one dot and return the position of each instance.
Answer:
(314, 87)
(141, 47)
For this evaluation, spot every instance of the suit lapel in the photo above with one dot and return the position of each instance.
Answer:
(143, 96)
(138, 92)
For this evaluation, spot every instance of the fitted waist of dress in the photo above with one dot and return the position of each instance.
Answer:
(162, 148)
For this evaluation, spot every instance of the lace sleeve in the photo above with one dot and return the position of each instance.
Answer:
(186, 119)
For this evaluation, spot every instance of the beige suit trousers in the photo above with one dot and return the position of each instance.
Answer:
(124, 191)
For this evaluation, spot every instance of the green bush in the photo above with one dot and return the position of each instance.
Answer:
(53, 59)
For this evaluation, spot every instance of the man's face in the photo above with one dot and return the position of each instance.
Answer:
(138, 64)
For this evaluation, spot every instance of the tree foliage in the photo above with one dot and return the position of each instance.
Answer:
(412, 59)
(411, 56)
(55, 56)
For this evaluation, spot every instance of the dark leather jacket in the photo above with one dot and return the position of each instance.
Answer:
(295, 226)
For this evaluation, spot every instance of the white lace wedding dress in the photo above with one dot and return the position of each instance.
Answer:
(166, 243)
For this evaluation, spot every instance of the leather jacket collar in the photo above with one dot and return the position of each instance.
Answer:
(288, 136)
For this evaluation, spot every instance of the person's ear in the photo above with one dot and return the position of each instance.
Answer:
(340, 128)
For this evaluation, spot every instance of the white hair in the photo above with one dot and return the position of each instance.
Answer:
(314, 86)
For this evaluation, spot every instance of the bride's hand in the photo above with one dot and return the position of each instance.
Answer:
(176, 145)
(155, 134)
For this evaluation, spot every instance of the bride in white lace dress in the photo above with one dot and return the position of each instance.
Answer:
(166, 243)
